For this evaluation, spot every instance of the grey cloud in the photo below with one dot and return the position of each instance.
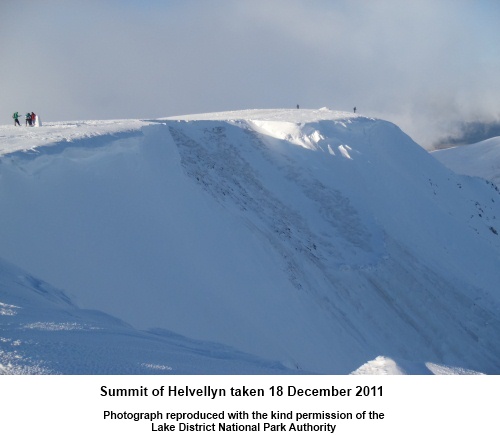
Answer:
(424, 65)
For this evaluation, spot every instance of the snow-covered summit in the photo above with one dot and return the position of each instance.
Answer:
(299, 116)
(324, 241)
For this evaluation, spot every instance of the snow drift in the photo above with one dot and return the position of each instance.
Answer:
(317, 239)
(43, 332)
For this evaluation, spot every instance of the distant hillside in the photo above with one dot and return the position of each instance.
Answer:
(481, 159)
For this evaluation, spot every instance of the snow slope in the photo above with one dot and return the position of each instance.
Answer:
(43, 332)
(320, 239)
(479, 160)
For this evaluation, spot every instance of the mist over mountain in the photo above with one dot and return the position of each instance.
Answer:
(468, 133)
(258, 241)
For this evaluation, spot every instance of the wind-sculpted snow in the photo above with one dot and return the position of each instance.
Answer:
(329, 242)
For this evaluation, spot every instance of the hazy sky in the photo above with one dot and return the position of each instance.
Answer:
(423, 64)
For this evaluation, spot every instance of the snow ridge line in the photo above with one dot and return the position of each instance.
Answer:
(54, 148)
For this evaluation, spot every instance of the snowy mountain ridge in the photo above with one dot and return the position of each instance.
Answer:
(316, 239)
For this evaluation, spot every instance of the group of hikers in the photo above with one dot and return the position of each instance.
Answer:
(30, 119)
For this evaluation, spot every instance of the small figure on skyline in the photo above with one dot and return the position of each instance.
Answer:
(33, 118)
(16, 119)
(297, 106)
(28, 119)
(354, 109)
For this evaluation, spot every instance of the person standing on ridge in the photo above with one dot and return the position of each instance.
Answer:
(16, 119)
(33, 118)
(354, 109)
(28, 119)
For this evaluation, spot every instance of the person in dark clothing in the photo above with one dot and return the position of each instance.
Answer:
(28, 119)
